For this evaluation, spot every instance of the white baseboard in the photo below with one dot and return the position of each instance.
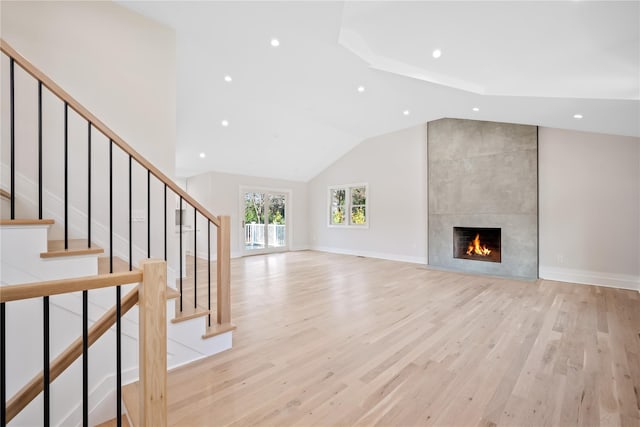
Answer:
(612, 280)
(240, 254)
(214, 257)
(371, 254)
(295, 248)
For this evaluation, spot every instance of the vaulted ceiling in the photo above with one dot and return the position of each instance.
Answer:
(346, 71)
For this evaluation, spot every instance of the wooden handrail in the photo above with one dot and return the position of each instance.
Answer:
(63, 286)
(78, 108)
(34, 387)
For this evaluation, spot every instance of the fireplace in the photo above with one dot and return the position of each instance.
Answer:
(479, 244)
(483, 174)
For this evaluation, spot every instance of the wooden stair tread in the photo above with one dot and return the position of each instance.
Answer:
(130, 399)
(119, 265)
(188, 312)
(112, 423)
(216, 329)
(55, 248)
(26, 221)
(5, 194)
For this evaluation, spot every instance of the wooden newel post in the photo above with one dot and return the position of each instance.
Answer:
(224, 274)
(152, 300)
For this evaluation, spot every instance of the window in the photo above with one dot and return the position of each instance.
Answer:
(348, 205)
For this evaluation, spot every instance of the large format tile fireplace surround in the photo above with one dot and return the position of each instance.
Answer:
(483, 197)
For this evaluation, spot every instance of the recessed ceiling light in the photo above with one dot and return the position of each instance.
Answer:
(202, 155)
(225, 123)
(275, 42)
(228, 79)
(577, 116)
(406, 112)
(436, 53)
(475, 109)
(360, 89)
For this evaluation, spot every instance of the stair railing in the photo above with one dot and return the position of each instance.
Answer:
(151, 298)
(222, 223)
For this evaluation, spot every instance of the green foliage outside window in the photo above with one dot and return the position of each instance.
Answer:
(276, 218)
(358, 196)
(254, 207)
(358, 216)
(338, 216)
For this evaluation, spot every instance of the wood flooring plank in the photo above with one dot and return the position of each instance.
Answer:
(335, 340)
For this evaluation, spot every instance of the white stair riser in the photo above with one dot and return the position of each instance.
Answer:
(21, 248)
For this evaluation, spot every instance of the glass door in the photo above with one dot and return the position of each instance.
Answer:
(264, 221)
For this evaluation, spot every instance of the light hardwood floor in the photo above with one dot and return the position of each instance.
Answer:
(326, 340)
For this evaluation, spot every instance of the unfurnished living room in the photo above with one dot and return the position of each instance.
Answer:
(318, 213)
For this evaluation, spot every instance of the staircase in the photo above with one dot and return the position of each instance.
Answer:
(81, 240)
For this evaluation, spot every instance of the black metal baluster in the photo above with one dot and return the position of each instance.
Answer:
(165, 222)
(195, 260)
(66, 175)
(130, 219)
(45, 363)
(13, 136)
(3, 366)
(209, 267)
(118, 309)
(180, 213)
(39, 150)
(148, 213)
(85, 358)
(89, 184)
(118, 359)
(110, 206)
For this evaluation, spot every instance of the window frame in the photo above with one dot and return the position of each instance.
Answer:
(347, 205)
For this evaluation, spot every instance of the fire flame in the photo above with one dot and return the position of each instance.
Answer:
(475, 248)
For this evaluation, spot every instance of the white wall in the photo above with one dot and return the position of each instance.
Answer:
(220, 194)
(394, 167)
(122, 67)
(589, 189)
(118, 64)
(589, 198)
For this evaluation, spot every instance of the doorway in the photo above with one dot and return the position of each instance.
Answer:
(264, 220)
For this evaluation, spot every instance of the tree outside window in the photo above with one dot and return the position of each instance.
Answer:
(254, 208)
(338, 204)
(359, 205)
(276, 209)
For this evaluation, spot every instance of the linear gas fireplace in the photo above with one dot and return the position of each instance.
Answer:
(480, 244)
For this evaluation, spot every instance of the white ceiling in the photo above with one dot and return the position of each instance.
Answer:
(295, 109)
